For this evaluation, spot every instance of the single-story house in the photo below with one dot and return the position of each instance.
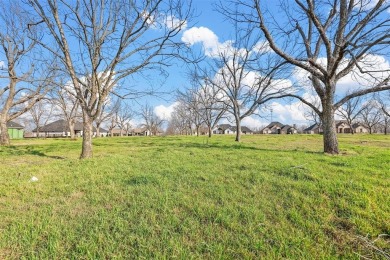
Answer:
(313, 129)
(229, 129)
(246, 131)
(360, 128)
(142, 131)
(279, 128)
(60, 128)
(118, 132)
(15, 130)
(341, 127)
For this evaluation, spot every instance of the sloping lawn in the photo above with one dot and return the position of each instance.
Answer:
(193, 197)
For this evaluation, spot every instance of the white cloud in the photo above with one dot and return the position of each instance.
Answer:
(288, 113)
(209, 40)
(2, 64)
(253, 123)
(172, 22)
(378, 67)
(157, 21)
(262, 47)
(368, 4)
(165, 112)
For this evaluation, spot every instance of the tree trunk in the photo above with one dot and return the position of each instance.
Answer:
(4, 136)
(197, 131)
(71, 129)
(331, 145)
(352, 130)
(97, 130)
(238, 132)
(209, 131)
(86, 151)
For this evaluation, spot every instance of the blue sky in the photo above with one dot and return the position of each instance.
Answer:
(210, 28)
(206, 26)
(207, 31)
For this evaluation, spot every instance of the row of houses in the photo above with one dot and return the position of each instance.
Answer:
(60, 128)
(279, 128)
(341, 127)
(230, 130)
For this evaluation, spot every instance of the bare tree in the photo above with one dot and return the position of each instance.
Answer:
(350, 112)
(370, 115)
(23, 78)
(191, 104)
(181, 120)
(69, 106)
(385, 120)
(328, 40)
(312, 116)
(114, 39)
(112, 122)
(108, 113)
(151, 121)
(247, 76)
(384, 104)
(205, 102)
(124, 116)
(41, 112)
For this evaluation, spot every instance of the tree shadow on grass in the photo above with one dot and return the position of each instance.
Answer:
(245, 147)
(19, 151)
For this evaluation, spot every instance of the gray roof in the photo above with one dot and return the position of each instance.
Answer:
(312, 127)
(11, 124)
(61, 125)
(339, 122)
(224, 126)
(286, 127)
(139, 130)
(356, 125)
(245, 129)
(272, 124)
(233, 128)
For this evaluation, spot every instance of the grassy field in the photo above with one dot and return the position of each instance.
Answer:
(193, 197)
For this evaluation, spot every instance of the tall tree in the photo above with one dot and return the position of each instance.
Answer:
(42, 112)
(328, 40)
(23, 77)
(108, 112)
(151, 121)
(370, 115)
(190, 102)
(385, 111)
(102, 42)
(206, 103)
(68, 105)
(181, 119)
(247, 76)
(350, 112)
(124, 116)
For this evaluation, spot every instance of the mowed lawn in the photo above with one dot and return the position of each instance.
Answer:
(194, 198)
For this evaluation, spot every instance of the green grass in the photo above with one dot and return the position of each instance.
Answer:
(193, 197)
